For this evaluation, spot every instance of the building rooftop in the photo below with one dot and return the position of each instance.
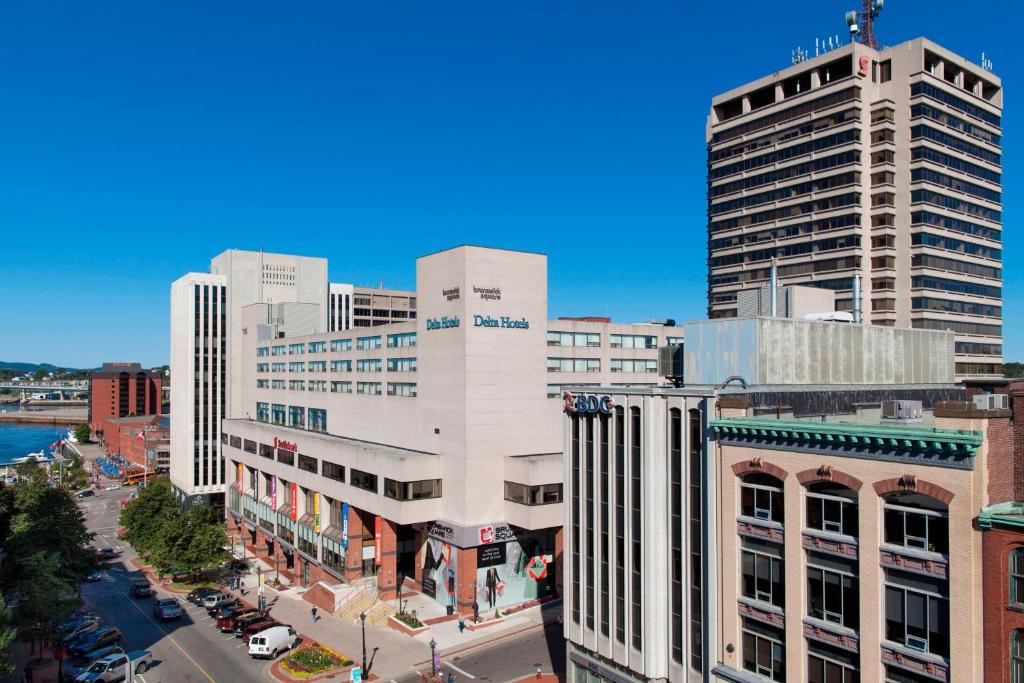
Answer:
(1003, 514)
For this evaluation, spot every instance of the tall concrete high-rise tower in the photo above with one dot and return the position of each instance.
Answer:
(883, 164)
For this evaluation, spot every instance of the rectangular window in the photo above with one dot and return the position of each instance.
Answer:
(341, 366)
(823, 670)
(263, 367)
(363, 480)
(589, 517)
(833, 514)
(917, 620)
(370, 388)
(318, 366)
(401, 365)
(635, 436)
(297, 385)
(298, 366)
(297, 417)
(341, 387)
(249, 446)
(763, 578)
(295, 349)
(262, 351)
(365, 343)
(761, 501)
(764, 656)
(277, 350)
(634, 365)
(412, 490)
(543, 494)
(307, 464)
(262, 384)
(917, 528)
(604, 422)
(575, 515)
(318, 385)
(633, 341)
(318, 347)
(333, 471)
(676, 565)
(286, 457)
(277, 413)
(574, 339)
(620, 525)
(574, 365)
(318, 419)
(368, 365)
(696, 540)
(262, 412)
(832, 596)
(277, 367)
(401, 389)
(396, 341)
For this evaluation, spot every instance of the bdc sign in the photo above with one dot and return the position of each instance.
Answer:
(587, 404)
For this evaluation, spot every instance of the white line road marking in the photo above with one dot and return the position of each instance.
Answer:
(464, 673)
(139, 676)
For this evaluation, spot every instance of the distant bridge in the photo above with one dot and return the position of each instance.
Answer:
(67, 388)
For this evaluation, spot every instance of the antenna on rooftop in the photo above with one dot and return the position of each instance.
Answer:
(986, 63)
(861, 23)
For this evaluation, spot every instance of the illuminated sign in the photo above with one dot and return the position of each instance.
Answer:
(443, 323)
(286, 445)
(503, 321)
(586, 404)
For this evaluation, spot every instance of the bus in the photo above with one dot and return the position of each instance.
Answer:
(136, 478)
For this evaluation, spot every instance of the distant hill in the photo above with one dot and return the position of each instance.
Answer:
(26, 367)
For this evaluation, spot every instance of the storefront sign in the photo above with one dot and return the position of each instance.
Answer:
(273, 492)
(316, 512)
(286, 445)
(378, 527)
(451, 294)
(587, 404)
(503, 321)
(429, 587)
(294, 511)
(344, 526)
(443, 323)
(490, 555)
(488, 293)
(467, 537)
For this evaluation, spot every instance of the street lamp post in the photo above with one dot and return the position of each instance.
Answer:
(433, 666)
(362, 620)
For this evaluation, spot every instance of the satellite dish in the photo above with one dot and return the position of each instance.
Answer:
(854, 29)
(877, 5)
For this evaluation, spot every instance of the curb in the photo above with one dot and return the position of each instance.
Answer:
(489, 641)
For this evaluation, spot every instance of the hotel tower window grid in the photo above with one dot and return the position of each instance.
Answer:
(675, 455)
(696, 539)
(209, 368)
(576, 422)
(636, 431)
(591, 588)
(620, 525)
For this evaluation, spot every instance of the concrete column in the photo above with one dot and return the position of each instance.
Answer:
(387, 569)
(354, 552)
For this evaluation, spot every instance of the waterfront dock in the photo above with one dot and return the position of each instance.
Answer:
(55, 416)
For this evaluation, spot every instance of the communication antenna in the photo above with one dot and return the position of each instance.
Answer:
(986, 63)
(800, 55)
(861, 23)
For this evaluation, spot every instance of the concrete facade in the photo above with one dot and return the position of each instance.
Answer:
(880, 164)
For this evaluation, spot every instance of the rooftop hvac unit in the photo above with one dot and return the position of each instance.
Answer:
(670, 362)
(991, 402)
(901, 410)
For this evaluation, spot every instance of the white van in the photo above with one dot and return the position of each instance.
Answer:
(273, 641)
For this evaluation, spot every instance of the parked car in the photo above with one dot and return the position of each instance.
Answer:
(167, 609)
(258, 627)
(72, 621)
(107, 635)
(243, 623)
(226, 621)
(214, 599)
(73, 631)
(71, 668)
(113, 487)
(86, 493)
(227, 604)
(199, 594)
(94, 577)
(115, 667)
(272, 642)
(141, 589)
(106, 553)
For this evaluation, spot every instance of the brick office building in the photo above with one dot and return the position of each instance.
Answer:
(122, 390)
(133, 437)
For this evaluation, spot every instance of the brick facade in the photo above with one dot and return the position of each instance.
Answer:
(122, 390)
(1000, 617)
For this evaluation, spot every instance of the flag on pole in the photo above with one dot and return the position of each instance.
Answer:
(141, 435)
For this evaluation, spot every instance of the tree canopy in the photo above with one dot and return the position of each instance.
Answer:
(82, 433)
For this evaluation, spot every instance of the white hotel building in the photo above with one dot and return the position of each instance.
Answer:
(429, 449)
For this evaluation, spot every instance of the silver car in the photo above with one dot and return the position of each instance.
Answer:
(167, 609)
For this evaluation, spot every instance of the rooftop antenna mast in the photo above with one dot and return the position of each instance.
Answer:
(862, 23)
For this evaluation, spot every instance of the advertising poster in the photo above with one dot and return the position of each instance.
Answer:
(295, 502)
(316, 512)
(273, 492)
(378, 524)
(515, 571)
(238, 476)
(344, 526)
(439, 571)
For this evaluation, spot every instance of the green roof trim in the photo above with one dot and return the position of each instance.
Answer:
(1003, 514)
(850, 435)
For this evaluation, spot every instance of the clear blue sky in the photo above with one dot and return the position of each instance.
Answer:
(140, 139)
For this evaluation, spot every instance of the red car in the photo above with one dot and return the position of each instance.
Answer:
(253, 629)
(226, 622)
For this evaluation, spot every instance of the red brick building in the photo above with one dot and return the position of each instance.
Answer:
(1002, 528)
(134, 436)
(122, 390)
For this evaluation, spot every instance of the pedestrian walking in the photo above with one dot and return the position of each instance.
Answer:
(451, 677)
(313, 613)
(462, 623)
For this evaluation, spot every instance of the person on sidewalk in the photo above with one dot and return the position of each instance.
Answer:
(313, 613)
(462, 623)
(451, 677)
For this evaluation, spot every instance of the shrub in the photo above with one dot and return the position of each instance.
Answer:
(313, 660)
(410, 620)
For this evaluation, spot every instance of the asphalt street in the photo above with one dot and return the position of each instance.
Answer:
(188, 651)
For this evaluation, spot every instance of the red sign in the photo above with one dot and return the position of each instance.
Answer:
(295, 502)
(487, 534)
(286, 445)
(863, 65)
(378, 525)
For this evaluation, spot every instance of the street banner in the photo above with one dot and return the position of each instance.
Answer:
(378, 525)
(295, 502)
(316, 512)
(344, 526)
(273, 492)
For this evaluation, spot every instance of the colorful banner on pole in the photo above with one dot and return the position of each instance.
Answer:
(273, 492)
(238, 477)
(316, 512)
(295, 502)
(378, 525)
(344, 526)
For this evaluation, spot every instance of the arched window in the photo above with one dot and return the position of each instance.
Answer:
(1017, 656)
(832, 507)
(1017, 576)
(914, 520)
(761, 497)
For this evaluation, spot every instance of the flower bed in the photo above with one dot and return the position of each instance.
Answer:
(312, 660)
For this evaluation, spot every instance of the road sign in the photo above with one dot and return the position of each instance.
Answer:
(150, 454)
(357, 674)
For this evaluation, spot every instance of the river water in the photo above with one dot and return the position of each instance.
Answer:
(17, 440)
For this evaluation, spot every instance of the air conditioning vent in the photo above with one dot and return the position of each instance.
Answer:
(991, 402)
(670, 361)
(901, 410)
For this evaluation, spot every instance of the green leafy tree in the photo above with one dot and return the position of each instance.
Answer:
(143, 518)
(7, 636)
(196, 542)
(39, 588)
(82, 433)
(39, 374)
